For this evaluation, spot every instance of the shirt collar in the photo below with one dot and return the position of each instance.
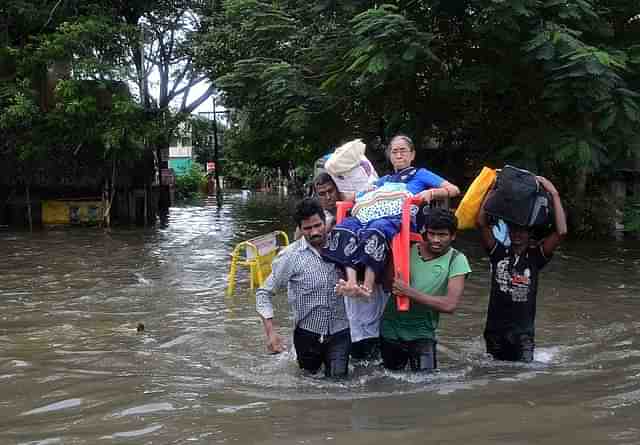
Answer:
(304, 245)
(405, 171)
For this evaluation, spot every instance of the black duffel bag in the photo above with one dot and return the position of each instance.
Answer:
(519, 199)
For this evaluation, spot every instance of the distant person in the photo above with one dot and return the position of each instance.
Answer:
(510, 328)
(362, 242)
(321, 334)
(438, 273)
(325, 189)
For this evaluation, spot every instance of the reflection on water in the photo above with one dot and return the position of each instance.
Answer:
(73, 369)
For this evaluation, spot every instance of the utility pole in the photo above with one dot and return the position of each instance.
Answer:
(213, 117)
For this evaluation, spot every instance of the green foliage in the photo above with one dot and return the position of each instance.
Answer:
(248, 175)
(190, 186)
(67, 92)
(553, 85)
(631, 219)
(549, 84)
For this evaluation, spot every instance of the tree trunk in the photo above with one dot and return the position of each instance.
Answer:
(108, 195)
(579, 195)
(146, 206)
(138, 60)
(29, 216)
(581, 177)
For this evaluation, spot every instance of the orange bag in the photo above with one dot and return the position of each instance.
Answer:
(470, 205)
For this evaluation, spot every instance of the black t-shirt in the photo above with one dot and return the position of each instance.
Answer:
(514, 286)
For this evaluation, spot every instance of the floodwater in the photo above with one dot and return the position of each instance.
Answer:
(73, 369)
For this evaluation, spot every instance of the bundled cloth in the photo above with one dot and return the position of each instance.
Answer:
(385, 201)
(350, 168)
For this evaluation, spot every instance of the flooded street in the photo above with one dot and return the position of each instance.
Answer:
(73, 369)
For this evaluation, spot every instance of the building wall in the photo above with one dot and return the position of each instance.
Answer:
(181, 151)
(71, 212)
(180, 166)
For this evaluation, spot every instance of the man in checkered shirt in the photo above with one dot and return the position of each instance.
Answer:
(321, 335)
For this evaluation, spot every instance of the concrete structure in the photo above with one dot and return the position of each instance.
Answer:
(625, 196)
(181, 150)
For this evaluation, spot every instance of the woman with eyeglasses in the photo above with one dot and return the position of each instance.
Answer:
(362, 241)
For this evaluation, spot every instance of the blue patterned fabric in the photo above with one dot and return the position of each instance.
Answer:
(352, 244)
(355, 244)
(382, 202)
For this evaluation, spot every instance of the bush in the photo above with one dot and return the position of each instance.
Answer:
(632, 216)
(189, 186)
(242, 174)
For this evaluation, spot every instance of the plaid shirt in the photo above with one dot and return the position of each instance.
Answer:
(310, 283)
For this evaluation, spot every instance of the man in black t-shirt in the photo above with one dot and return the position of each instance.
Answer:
(510, 330)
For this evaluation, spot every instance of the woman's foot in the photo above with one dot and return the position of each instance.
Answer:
(345, 288)
(362, 291)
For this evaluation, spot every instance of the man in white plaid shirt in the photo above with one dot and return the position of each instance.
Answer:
(321, 335)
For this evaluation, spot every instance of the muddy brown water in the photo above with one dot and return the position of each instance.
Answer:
(73, 369)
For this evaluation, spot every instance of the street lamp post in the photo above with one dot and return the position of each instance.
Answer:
(216, 155)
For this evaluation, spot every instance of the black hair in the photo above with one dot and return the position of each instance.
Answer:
(324, 178)
(438, 219)
(306, 209)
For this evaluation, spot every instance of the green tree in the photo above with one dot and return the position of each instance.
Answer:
(552, 85)
(64, 86)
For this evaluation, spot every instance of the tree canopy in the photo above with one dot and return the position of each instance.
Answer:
(112, 78)
(550, 84)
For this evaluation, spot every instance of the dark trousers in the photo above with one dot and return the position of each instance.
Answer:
(509, 346)
(332, 351)
(421, 354)
(367, 349)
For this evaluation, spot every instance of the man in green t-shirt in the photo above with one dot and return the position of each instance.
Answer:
(438, 272)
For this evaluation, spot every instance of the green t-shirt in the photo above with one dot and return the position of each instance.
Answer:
(429, 277)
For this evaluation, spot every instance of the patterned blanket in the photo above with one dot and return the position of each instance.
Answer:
(382, 202)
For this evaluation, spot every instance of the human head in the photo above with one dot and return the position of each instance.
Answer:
(327, 191)
(401, 152)
(440, 228)
(309, 217)
(519, 235)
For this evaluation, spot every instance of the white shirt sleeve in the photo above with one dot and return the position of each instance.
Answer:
(281, 270)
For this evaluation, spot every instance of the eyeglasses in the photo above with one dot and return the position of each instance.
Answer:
(400, 151)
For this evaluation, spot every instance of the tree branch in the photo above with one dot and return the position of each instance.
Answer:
(188, 86)
(196, 103)
(53, 11)
(179, 79)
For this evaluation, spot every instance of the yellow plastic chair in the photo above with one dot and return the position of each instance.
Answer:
(257, 254)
